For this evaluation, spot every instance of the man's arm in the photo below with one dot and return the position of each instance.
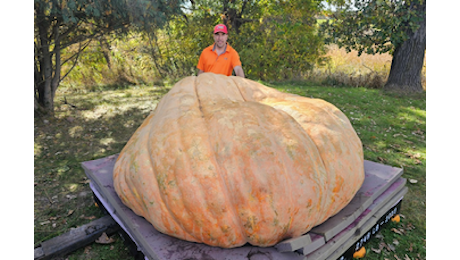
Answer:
(238, 71)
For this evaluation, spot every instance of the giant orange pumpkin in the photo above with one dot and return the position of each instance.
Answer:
(225, 161)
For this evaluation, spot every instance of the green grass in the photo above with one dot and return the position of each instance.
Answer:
(391, 127)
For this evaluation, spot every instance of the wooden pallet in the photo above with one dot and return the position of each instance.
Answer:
(381, 192)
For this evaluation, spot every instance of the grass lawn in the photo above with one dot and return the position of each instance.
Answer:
(98, 123)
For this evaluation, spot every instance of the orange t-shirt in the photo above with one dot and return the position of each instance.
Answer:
(222, 64)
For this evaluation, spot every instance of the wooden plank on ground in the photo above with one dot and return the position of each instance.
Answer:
(378, 178)
(38, 253)
(75, 238)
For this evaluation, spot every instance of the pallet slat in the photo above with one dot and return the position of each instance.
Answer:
(293, 244)
(317, 242)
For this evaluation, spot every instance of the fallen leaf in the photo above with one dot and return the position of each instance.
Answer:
(45, 222)
(104, 239)
(384, 245)
(71, 197)
(410, 226)
(413, 181)
(71, 211)
(392, 248)
(395, 241)
(414, 156)
(89, 218)
(85, 181)
(397, 258)
(377, 251)
(381, 159)
(87, 249)
(418, 132)
(397, 231)
(406, 257)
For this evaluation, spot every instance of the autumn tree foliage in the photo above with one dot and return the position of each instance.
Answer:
(276, 40)
(59, 24)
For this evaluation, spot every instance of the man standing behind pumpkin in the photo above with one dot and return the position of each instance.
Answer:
(220, 58)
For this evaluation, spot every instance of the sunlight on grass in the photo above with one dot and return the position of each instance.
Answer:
(72, 187)
(107, 141)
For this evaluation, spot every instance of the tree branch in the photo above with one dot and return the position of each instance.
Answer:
(76, 59)
(242, 8)
(57, 52)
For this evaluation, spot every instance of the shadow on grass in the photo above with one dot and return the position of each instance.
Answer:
(99, 126)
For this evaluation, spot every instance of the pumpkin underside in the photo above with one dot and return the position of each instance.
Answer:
(225, 161)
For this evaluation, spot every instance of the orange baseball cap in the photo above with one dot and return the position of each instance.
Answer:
(220, 28)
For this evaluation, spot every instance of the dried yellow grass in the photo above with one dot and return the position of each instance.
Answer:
(340, 60)
(347, 68)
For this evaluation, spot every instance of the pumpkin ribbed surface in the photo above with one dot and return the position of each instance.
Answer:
(226, 160)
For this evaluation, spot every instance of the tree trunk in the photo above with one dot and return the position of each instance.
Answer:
(38, 81)
(105, 48)
(38, 109)
(47, 75)
(57, 63)
(407, 64)
(233, 17)
(45, 93)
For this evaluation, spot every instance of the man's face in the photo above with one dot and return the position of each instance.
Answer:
(220, 39)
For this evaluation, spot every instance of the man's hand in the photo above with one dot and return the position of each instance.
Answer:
(238, 71)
